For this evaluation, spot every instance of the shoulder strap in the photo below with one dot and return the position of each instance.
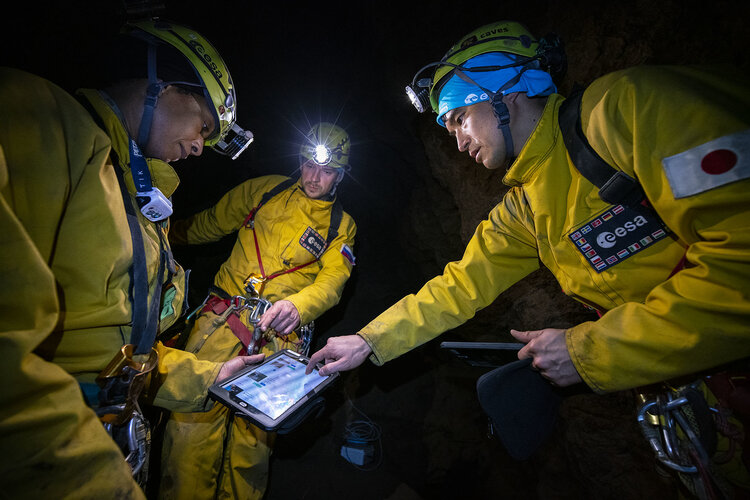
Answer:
(250, 219)
(337, 213)
(615, 186)
(144, 318)
(276, 190)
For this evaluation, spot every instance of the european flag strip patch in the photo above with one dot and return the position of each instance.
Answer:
(313, 242)
(617, 234)
(347, 252)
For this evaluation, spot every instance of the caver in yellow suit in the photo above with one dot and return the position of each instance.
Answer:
(684, 134)
(655, 327)
(64, 301)
(214, 454)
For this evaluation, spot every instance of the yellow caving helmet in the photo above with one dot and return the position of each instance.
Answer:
(215, 81)
(326, 144)
(503, 36)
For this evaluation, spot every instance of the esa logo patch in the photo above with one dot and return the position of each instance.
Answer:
(313, 242)
(617, 234)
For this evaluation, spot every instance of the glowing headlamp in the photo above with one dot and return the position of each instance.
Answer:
(322, 155)
(419, 94)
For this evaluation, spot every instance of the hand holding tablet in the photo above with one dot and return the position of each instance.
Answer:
(274, 392)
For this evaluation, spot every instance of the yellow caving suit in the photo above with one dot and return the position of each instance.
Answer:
(66, 254)
(212, 454)
(655, 327)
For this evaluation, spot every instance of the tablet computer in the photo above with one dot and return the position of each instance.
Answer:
(485, 354)
(272, 392)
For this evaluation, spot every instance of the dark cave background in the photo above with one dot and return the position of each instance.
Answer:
(416, 202)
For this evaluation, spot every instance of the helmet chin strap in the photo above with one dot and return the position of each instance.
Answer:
(338, 180)
(152, 95)
(499, 108)
(503, 123)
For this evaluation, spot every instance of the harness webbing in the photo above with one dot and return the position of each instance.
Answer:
(337, 213)
(615, 186)
(218, 306)
(144, 318)
(267, 196)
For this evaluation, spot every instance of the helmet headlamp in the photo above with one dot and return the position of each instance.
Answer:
(419, 94)
(326, 144)
(322, 155)
(234, 141)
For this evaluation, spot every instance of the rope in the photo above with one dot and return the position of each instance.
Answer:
(364, 432)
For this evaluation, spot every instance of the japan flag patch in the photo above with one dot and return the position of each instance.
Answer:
(710, 165)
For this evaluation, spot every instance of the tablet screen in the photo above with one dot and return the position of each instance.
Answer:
(274, 387)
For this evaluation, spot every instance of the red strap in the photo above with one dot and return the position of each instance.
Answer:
(257, 253)
(732, 390)
(278, 273)
(250, 219)
(680, 265)
(250, 222)
(218, 306)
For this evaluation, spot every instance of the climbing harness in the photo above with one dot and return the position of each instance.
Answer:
(122, 382)
(238, 310)
(255, 283)
(682, 430)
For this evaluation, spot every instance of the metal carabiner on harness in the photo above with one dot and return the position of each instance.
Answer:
(122, 382)
(660, 420)
(134, 439)
(254, 285)
(660, 436)
(305, 335)
(257, 306)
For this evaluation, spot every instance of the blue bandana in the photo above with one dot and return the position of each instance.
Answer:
(457, 92)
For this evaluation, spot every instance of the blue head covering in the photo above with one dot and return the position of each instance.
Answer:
(457, 92)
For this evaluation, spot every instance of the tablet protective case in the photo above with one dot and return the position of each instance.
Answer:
(241, 390)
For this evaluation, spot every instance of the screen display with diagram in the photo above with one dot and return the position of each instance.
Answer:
(270, 392)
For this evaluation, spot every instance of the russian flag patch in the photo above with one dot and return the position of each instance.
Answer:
(710, 165)
(347, 252)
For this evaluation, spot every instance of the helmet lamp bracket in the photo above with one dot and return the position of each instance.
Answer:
(234, 142)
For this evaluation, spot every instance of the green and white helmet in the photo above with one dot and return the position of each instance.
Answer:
(214, 80)
(326, 144)
(509, 37)
(504, 36)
